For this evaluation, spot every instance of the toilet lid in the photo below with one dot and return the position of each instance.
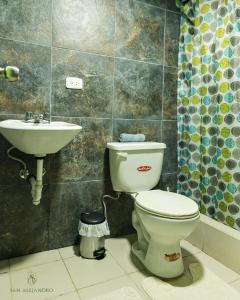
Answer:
(167, 204)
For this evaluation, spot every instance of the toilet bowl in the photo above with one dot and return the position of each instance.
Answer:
(161, 223)
(162, 219)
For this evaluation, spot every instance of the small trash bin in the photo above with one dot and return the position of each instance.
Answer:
(92, 228)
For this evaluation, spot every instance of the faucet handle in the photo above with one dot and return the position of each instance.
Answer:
(28, 115)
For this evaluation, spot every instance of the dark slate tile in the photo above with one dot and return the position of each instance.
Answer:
(170, 94)
(168, 182)
(68, 201)
(28, 21)
(171, 5)
(9, 171)
(151, 129)
(32, 91)
(84, 158)
(119, 214)
(139, 31)
(159, 3)
(172, 39)
(24, 226)
(169, 136)
(138, 90)
(87, 25)
(95, 99)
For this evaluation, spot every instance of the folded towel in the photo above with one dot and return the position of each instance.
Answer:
(126, 137)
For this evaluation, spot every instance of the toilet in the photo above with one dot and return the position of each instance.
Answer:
(162, 219)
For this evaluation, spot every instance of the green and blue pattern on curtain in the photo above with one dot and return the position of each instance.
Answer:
(209, 108)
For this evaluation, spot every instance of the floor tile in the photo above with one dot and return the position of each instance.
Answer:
(4, 266)
(216, 267)
(181, 281)
(188, 248)
(138, 277)
(52, 278)
(71, 296)
(5, 290)
(107, 287)
(70, 251)
(120, 249)
(86, 272)
(35, 259)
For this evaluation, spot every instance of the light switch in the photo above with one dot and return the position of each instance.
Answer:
(74, 83)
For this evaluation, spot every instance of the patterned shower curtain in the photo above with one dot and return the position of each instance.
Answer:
(209, 108)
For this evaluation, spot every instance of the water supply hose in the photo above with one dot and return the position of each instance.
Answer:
(24, 173)
(104, 204)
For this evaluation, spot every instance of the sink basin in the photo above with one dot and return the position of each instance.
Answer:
(38, 139)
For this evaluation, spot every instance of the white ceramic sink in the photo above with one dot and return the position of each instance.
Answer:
(38, 138)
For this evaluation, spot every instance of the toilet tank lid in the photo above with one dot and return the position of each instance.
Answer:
(135, 146)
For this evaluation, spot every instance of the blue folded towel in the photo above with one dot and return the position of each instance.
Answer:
(126, 137)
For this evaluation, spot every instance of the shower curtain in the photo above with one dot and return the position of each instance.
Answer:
(209, 107)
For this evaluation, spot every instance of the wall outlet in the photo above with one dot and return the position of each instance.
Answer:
(74, 83)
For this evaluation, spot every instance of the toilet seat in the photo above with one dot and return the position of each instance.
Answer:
(166, 204)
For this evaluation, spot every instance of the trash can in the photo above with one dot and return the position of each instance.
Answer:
(93, 228)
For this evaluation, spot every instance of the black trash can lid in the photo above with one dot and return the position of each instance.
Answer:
(92, 218)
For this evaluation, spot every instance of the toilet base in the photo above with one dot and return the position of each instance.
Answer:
(161, 260)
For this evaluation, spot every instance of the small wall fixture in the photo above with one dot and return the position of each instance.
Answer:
(10, 73)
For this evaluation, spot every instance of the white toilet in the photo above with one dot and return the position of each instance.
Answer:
(161, 219)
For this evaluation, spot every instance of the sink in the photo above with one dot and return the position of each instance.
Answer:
(38, 139)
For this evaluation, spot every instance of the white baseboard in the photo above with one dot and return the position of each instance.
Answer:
(218, 241)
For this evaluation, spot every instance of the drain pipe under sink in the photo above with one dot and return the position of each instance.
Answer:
(37, 183)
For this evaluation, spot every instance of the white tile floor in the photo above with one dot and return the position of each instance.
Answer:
(63, 275)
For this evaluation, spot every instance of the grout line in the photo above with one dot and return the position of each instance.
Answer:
(34, 265)
(235, 280)
(120, 119)
(139, 61)
(114, 68)
(51, 63)
(116, 278)
(156, 6)
(73, 255)
(81, 117)
(70, 277)
(24, 42)
(10, 279)
(82, 51)
(127, 273)
(149, 4)
(109, 56)
(101, 282)
(170, 67)
(60, 252)
(116, 261)
(60, 296)
(163, 73)
(99, 118)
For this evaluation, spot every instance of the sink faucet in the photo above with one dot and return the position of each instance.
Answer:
(37, 118)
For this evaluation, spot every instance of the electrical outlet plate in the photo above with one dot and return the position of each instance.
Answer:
(74, 83)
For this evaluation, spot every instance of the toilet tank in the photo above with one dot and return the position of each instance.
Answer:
(135, 167)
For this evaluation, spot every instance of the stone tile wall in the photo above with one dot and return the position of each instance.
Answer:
(126, 53)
